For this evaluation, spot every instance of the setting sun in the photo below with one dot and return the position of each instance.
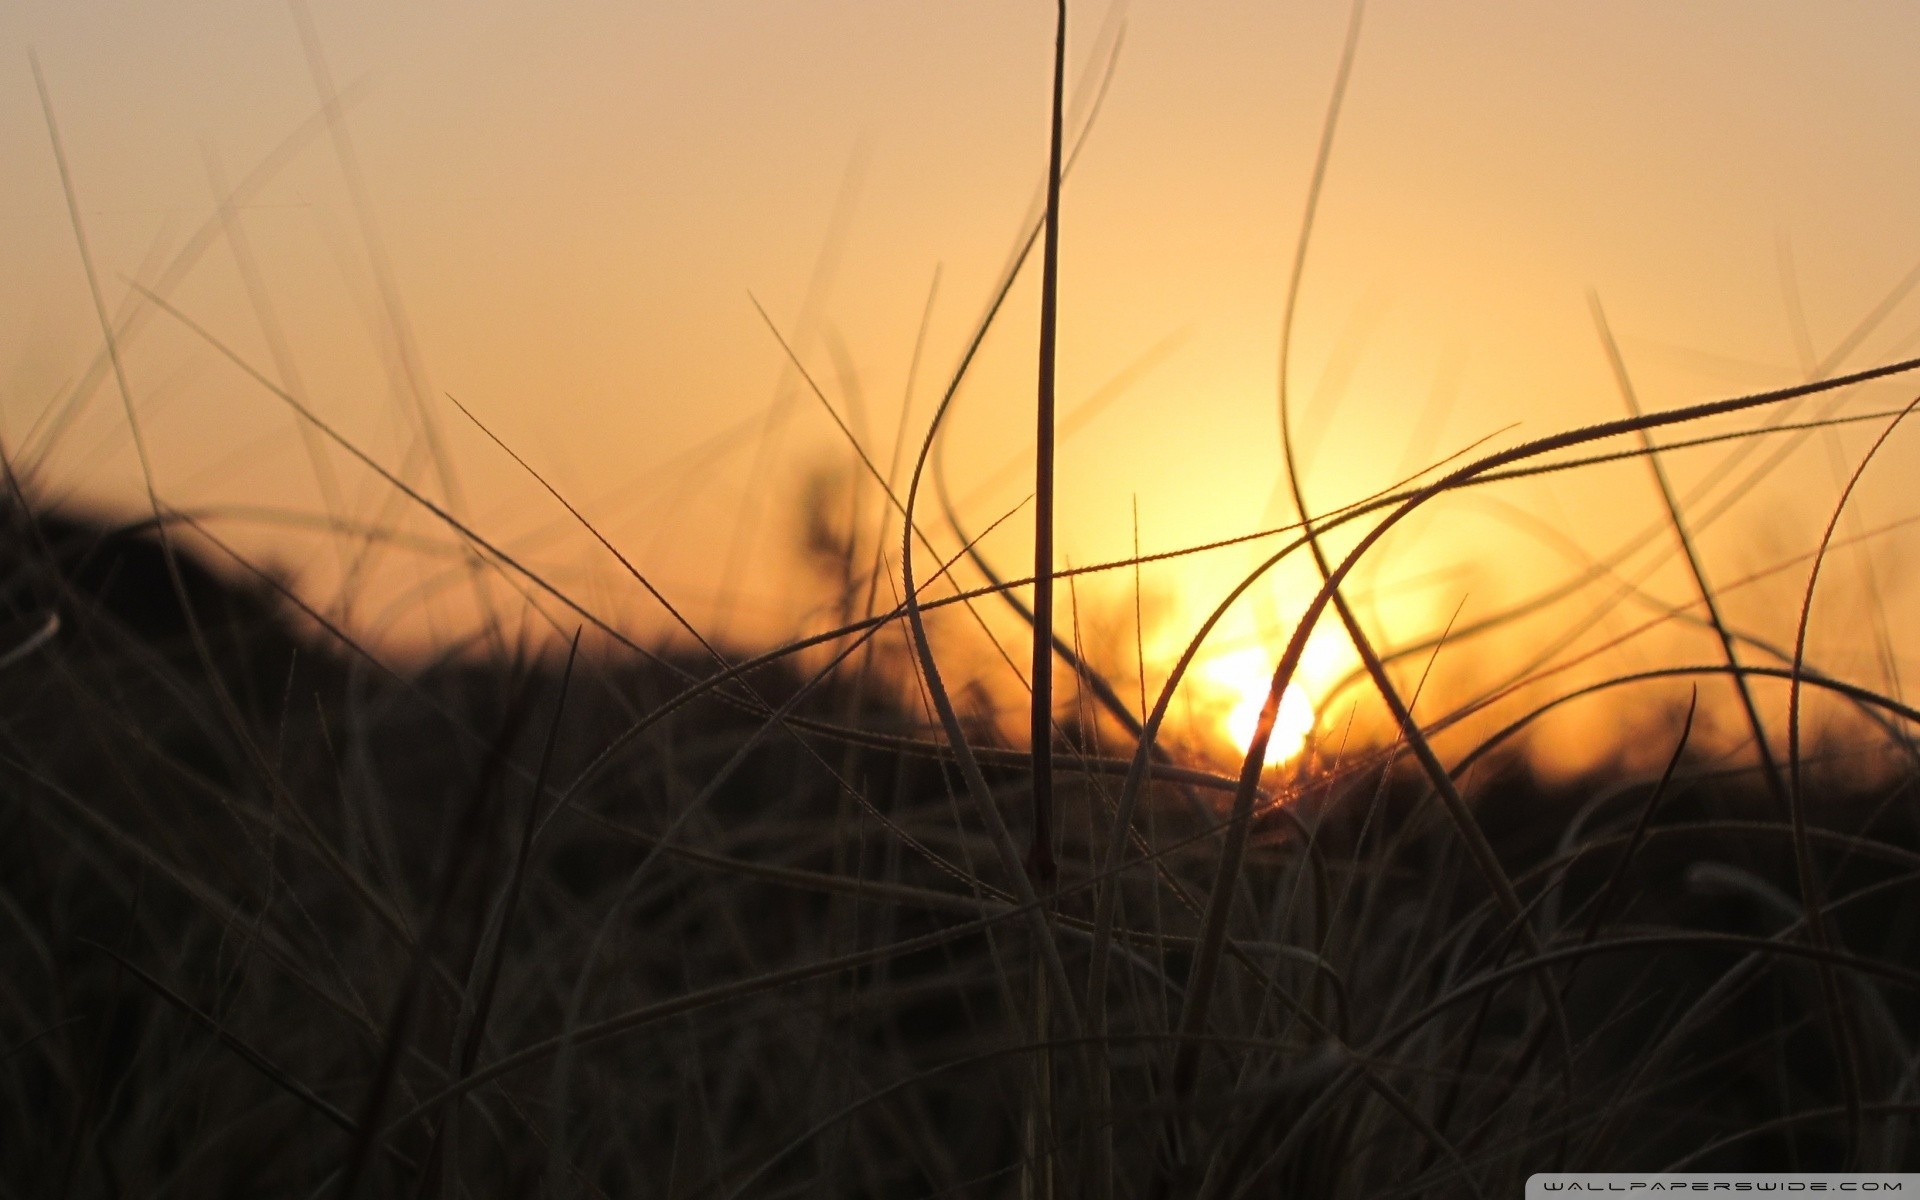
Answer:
(669, 569)
(1242, 677)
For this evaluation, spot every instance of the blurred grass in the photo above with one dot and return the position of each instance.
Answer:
(257, 890)
(564, 912)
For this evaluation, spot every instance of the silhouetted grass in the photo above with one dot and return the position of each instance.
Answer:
(567, 912)
(277, 919)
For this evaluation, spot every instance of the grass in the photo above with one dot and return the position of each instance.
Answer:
(571, 913)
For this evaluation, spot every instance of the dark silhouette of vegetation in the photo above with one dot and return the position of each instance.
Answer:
(252, 881)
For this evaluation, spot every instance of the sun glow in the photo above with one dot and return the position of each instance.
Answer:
(1241, 678)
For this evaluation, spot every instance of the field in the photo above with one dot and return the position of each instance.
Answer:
(549, 907)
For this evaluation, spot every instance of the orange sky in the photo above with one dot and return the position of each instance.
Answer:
(575, 203)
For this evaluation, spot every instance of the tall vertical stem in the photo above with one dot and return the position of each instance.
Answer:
(1040, 864)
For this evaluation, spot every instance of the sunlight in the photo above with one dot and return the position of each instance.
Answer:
(1243, 677)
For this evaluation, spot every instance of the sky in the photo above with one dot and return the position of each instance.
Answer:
(569, 219)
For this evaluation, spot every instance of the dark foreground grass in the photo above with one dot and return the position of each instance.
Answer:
(280, 922)
(581, 916)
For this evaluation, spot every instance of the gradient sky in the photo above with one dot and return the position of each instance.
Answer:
(575, 202)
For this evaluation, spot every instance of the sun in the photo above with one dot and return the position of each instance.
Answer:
(1241, 678)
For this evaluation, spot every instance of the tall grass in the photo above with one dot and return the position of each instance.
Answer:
(575, 913)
